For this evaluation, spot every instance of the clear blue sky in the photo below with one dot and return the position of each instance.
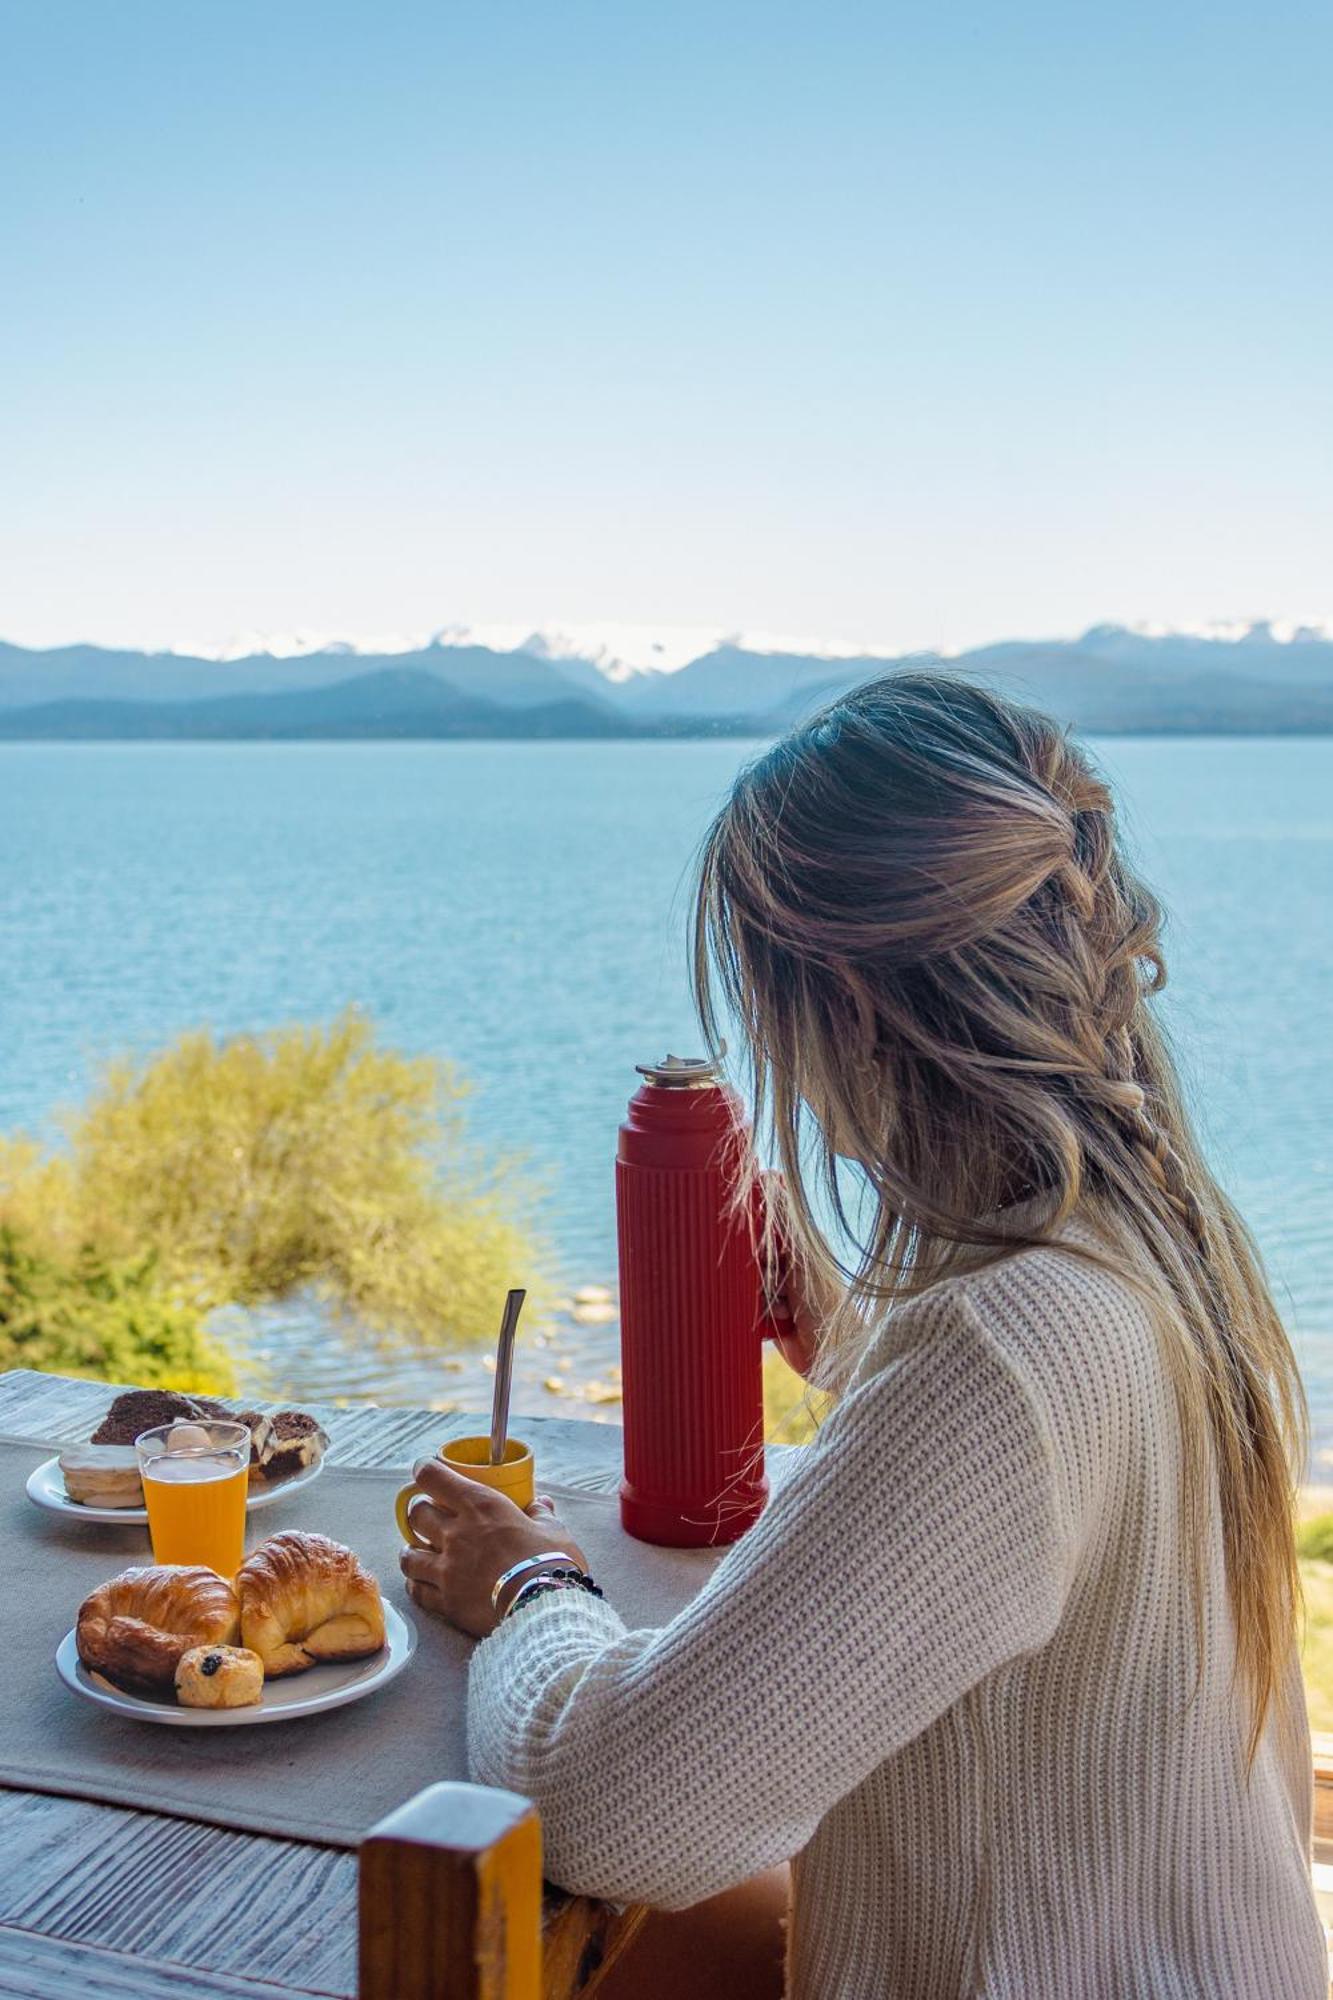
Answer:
(899, 324)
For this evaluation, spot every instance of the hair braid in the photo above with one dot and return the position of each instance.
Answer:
(1163, 1164)
(1114, 939)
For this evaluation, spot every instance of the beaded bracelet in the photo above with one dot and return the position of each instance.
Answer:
(522, 1568)
(551, 1579)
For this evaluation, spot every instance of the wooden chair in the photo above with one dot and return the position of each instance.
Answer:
(452, 1907)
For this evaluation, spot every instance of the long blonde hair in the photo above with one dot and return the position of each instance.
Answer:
(916, 907)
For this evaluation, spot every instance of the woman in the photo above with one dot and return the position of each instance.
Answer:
(1008, 1666)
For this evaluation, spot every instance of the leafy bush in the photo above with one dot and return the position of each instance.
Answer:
(113, 1322)
(1314, 1539)
(1317, 1642)
(793, 1411)
(243, 1170)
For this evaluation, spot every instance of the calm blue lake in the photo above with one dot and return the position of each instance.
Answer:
(520, 908)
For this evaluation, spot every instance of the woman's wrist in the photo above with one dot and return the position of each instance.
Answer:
(548, 1580)
(560, 1558)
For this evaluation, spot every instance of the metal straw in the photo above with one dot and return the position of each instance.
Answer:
(504, 1371)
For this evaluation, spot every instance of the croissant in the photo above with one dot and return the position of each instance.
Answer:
(305, 1599)
(136, 1628)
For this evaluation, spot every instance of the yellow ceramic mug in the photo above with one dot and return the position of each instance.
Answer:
(472, 1457)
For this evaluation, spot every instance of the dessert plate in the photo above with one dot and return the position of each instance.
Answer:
(46, 1487)
(310, 1693)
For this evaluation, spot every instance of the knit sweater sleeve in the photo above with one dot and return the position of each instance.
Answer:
(926, 1538)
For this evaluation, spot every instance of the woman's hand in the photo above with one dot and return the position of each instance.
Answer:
(801, 1310)
(803, 1303)
(475, 1535)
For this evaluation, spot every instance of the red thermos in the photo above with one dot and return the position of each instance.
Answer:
(692, 1314)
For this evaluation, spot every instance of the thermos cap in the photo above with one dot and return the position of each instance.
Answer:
(680, 1073)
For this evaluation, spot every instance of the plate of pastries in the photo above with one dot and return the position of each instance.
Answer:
(302, 1629)
(99, 1480)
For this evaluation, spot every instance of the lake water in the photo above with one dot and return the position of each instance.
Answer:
(520, 908)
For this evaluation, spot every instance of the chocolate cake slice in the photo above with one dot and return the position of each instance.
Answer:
(261, 1430)
(139, 1410)
(295, 1442)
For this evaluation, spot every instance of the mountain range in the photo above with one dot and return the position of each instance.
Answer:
(1111, 680)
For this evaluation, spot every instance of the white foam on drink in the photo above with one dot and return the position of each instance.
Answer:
(188, 1437)
(190, 1471)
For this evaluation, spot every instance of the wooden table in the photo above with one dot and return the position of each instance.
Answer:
(98, 1900)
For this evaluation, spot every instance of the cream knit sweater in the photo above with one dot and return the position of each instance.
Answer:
(952, 1672)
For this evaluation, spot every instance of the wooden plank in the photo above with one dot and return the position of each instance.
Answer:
(57, 1410)
(175, 1891)
(41, 1968)
(126, 1880)
(451, 1898)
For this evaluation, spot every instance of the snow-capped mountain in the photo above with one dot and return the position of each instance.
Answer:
(625, 680)
(619, 652)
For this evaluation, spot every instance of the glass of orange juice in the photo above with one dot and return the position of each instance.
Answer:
(195, 1480)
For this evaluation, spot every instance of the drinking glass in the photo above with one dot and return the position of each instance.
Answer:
(195, 1492)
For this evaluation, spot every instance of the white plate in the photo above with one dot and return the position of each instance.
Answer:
(310, 1693)
(46, 1485)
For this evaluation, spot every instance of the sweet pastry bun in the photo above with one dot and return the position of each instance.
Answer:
(304, 1600)
(102, 1475)
(136, 1628)
(219, 1677)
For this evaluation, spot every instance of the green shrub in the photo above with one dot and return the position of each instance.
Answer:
(1317, 1642)
(1314, 1538)
(113, 1322)
(241, 1171)
(793, 1411)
